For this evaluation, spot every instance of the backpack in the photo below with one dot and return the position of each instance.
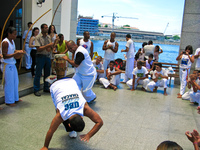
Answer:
(119, 64)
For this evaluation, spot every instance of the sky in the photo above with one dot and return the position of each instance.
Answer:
(153, 15)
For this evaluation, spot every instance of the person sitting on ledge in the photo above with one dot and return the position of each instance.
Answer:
(99, 67)
(140, 76)
(160, 78)
(113, 77)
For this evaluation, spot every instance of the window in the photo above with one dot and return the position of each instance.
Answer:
(18, 23)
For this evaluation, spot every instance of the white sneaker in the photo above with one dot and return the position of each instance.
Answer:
(73, 134)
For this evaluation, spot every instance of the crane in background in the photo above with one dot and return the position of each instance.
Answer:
(165, 28)
(115, 17)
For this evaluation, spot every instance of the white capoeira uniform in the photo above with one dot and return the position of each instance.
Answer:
(195, 96)
(85, 75)
(115, 79)
(149, 65)
(98, 67)
(67, 98)
(130, 60)
(28, 49)
(11, 75)
(139, 73)
(197, 67)
(109, 55)
(184, 71)
(86, 45)
(160, 83)
(186, 95)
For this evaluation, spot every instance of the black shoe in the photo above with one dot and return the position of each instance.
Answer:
(47, 91)
(37, 93)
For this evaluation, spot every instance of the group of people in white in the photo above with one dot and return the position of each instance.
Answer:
(87, 71)
(109, 73)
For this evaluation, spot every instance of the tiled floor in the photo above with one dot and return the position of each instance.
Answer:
(132, 121)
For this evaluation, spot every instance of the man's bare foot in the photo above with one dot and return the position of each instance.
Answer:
(108, 87)
(179, 96)
(154, 90)
(18, 101)
(114, 88)
(143, 89)
(165, 94)
(11, 105)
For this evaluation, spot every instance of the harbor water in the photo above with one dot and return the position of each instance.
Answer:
(170, 52)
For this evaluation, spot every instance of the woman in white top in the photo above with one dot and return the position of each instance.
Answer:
(187, 58)
(35, 32)
(158, 50)
(53, 34)
(9, 68)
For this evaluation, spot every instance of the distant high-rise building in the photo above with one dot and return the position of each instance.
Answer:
(87, 24)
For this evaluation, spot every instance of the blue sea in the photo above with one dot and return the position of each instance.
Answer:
(170, 52)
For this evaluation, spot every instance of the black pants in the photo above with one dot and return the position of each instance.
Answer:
(33, 56)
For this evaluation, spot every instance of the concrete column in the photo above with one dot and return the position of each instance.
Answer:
(191, 26)
(69, 19)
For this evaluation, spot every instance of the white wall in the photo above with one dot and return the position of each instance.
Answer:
(38, 11)
(69, 19)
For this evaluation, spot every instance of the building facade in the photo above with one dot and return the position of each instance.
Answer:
(87, 24)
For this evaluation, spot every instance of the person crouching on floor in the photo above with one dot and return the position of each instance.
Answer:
(113, 77)
(140, 77)
(160, 78)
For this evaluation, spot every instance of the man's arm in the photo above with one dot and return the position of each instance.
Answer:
(45, 47)
(5, 51)
(133, 83)
(70, 61)
(57, 120)
(126, 50)
(115, 49)
(105, 45)
(117, 71)
(41, 48)
(196, 55)
(91, 50)
(79, 58)
(95, 118)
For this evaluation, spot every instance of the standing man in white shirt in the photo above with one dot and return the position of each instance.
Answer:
(85, 74)
(149, 49)
(130, 54)
(86, 43)
(27, 48)
(110, 47)
(196, 56)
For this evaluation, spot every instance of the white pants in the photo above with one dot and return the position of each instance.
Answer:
(195, 97)
(105, 65)
(183, 74)
(100, 75)
(129, 69)
(186, 95)
(115, 80)
(11, 84)
(160, 83)
(141, 82)
(28, 56)
(85, 83)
